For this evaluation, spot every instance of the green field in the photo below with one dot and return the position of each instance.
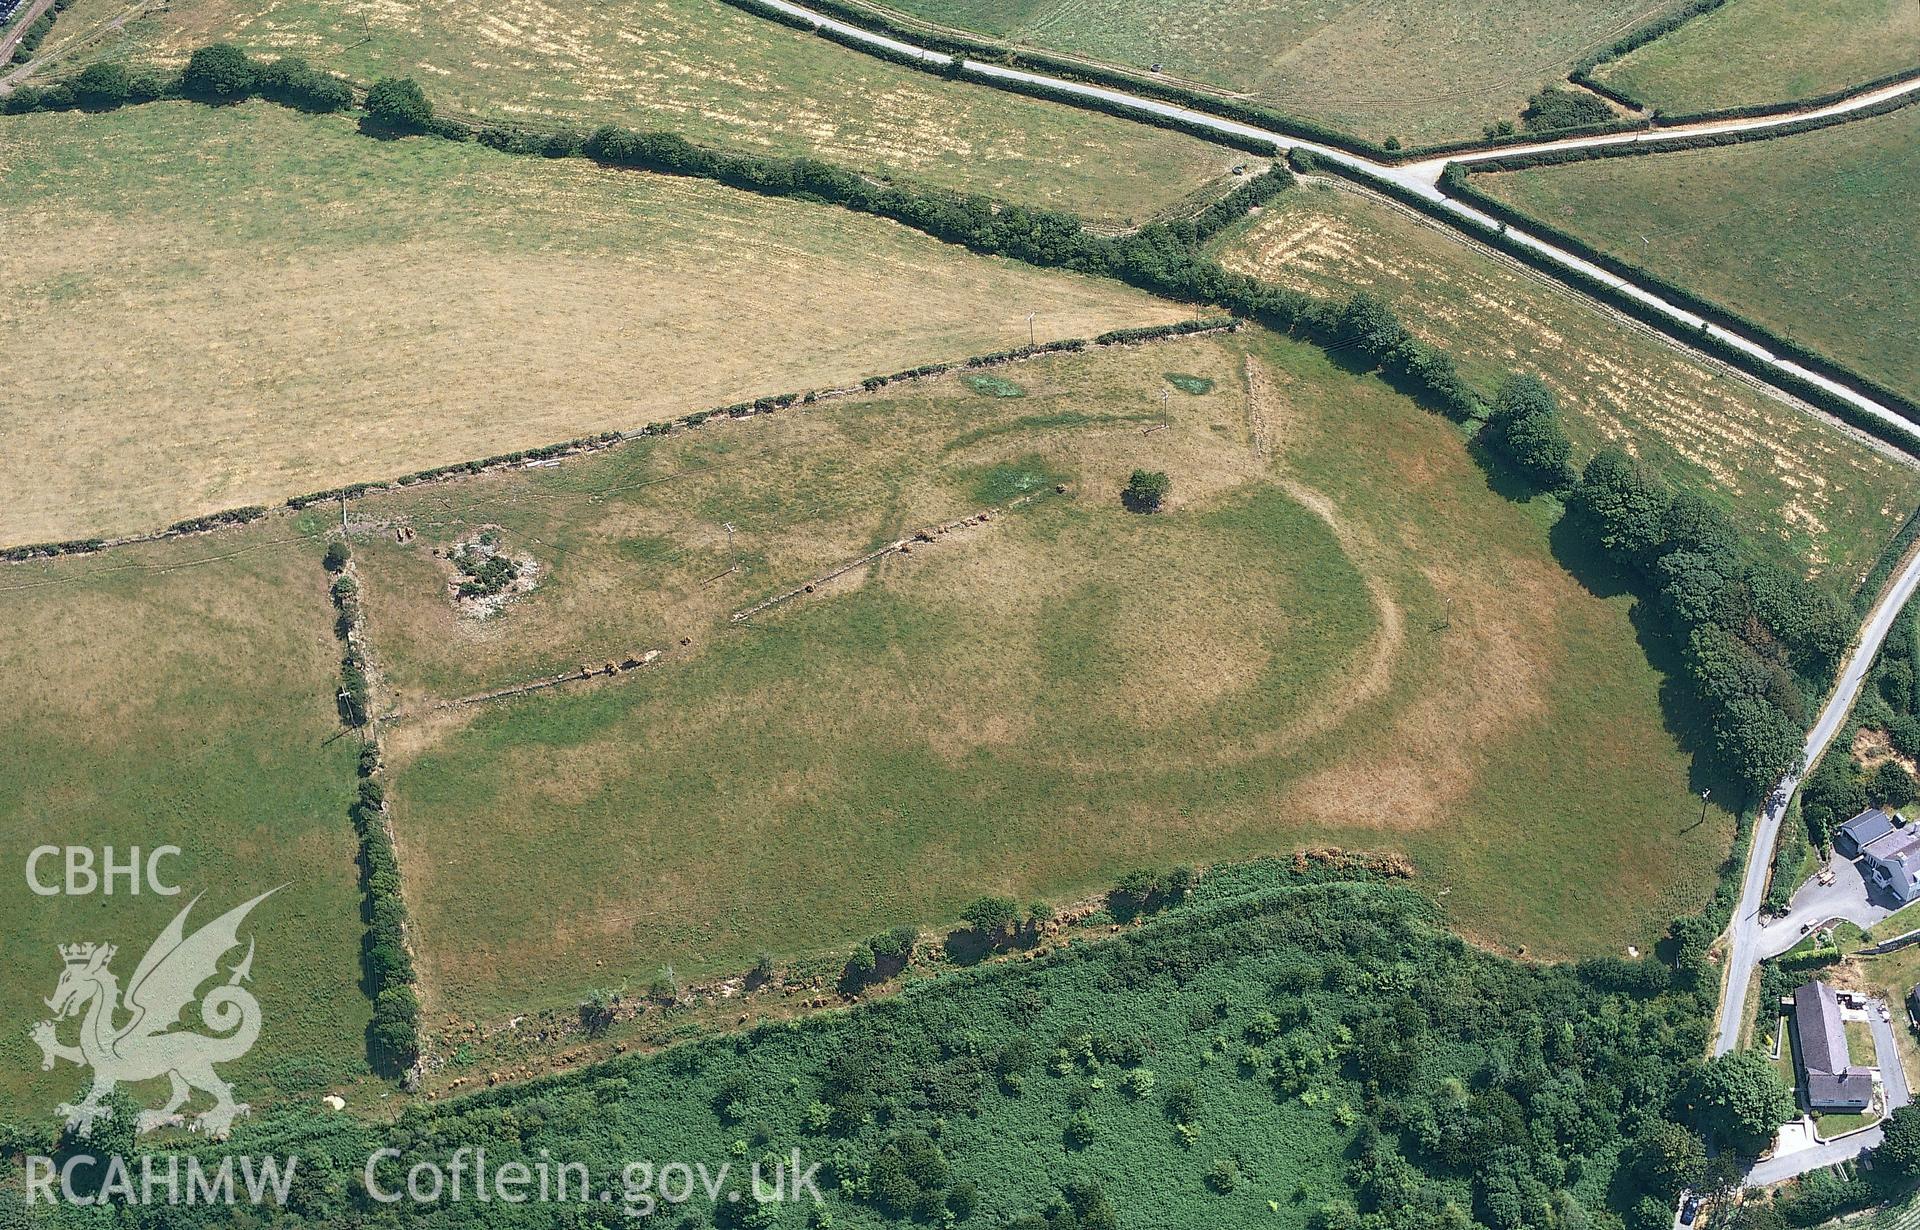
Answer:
(1769, 51)
(255, 303)
(1353, 643)
(696, 67)
(1812, 494)
(1422, 73)
(182, 694)
(1813, 236)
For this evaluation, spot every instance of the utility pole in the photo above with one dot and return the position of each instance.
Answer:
(1704, 796)
(1030, 316)
(733, 561)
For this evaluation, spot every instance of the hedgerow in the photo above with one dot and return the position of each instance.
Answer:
(208, 521)
(37, 32)
(1457, 183)
(386, 963)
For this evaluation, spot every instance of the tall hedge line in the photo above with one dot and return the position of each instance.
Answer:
(386, 964)
(1457, 183)
(1733, 356)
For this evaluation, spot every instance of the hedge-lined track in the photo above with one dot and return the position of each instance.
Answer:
(1417, 183)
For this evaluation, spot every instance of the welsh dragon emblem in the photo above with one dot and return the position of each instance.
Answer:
(145, 1044)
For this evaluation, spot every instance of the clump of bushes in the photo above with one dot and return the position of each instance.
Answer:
(1148, 892)
(1555, 108)
(1146, 491)
(218, 73)
(1525, 428)
(877, 959)
(398, 105)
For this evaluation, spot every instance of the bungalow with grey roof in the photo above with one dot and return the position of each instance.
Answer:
(1827, 1073)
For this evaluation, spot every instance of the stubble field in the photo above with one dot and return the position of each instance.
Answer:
(1813, 236)
(1815, 496)
(254, 303)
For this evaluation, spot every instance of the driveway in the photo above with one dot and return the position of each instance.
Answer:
(1798, 1157)
(1851, 896)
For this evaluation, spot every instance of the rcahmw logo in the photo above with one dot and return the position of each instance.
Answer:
(131, 1038)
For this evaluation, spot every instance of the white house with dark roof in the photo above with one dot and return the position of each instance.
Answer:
(1893, 861)
(1832, 1081)
(1869, 826)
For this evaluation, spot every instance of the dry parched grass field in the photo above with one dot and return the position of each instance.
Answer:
(1764, 51)
(1421, 72)
(181, 694)
(1820, 497)
(1338, 633)
(253, 303)
(696, 67)
(1814, 236)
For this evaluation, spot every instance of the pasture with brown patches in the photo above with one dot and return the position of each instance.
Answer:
(1065, 693)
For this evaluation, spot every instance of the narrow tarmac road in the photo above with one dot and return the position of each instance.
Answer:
(19, 29)
(1422, 179)
(1745, 939)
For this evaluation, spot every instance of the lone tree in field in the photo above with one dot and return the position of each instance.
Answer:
(1146, 491)
(219, 73)
(398, 104)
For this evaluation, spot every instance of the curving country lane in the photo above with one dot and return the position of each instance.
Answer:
(1422, 179)
(1744, 949)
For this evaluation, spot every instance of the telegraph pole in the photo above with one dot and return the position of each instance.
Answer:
(1030, 316)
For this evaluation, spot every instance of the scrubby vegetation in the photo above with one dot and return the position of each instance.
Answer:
(1279, 1045)
(1557, 108)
